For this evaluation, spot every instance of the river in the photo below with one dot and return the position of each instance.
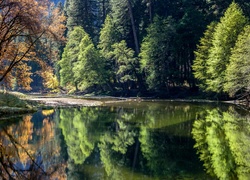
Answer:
(128, 140)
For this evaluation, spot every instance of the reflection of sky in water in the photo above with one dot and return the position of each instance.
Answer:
(32, 149)
(147, 140)
(25, 166)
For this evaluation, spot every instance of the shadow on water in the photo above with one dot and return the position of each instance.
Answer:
(132, 140)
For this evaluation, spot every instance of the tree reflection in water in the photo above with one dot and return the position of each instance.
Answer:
(113, 148)
(119, 142)
(223, 143)
(27, 152)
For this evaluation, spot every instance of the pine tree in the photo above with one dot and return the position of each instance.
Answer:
(201, 56)
(69, 57)
(224, 38)
(237, 73)
(126, 63)
(109, 35)
(156, 55)
(89, 69)
(122, 12)
(83, 13)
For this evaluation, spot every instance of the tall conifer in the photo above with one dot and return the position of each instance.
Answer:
(201, 56)
(238, 71)
(89, 69)
(224, 38)
(83, 13)
(156, 55)
(69, 57)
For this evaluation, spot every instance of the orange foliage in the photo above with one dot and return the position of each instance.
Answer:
(58, 20)
(24, 24)
(47, 132)
(17, 145)
(23, 132)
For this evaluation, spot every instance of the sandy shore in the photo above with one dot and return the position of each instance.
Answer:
(61, 101)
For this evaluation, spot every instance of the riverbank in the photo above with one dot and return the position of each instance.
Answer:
(18, 103)
(64, 101)
(15, 103)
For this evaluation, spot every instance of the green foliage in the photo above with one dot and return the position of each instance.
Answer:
(75, 133)
(12, 100)
(108, 36)
(89, 69)
(121, 64)
(222, 143)
(112, 145)
(108, 158)
(237, 72)
(237, 130)
(148, 148)
(156, 55)
(123, 138)
(81, 65)
(82, 13)
(125, 61)
(167, 45)
(69, 57)
(224, 38)
(201, 56)
(119, 12)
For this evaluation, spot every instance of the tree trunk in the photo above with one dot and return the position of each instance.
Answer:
(137, 49)
(150, 11)
(103, 11)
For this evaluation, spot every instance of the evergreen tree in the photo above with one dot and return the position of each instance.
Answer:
(108, 36)
(122, 12)
(89, 69)
(126, 63)
(119, 13)
(201, 56)
(237, 72)
(104, 9)
(69, 57)
(83, 13)
(157, 54)
(121, 64)
(224, 38)
(167, 49)
(189, 28)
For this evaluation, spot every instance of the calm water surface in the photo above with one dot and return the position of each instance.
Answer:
(132, 140)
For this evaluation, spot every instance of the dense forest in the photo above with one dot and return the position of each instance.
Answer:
(156, 48)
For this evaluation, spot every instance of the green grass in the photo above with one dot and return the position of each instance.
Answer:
(12, 100)
(12, 103)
